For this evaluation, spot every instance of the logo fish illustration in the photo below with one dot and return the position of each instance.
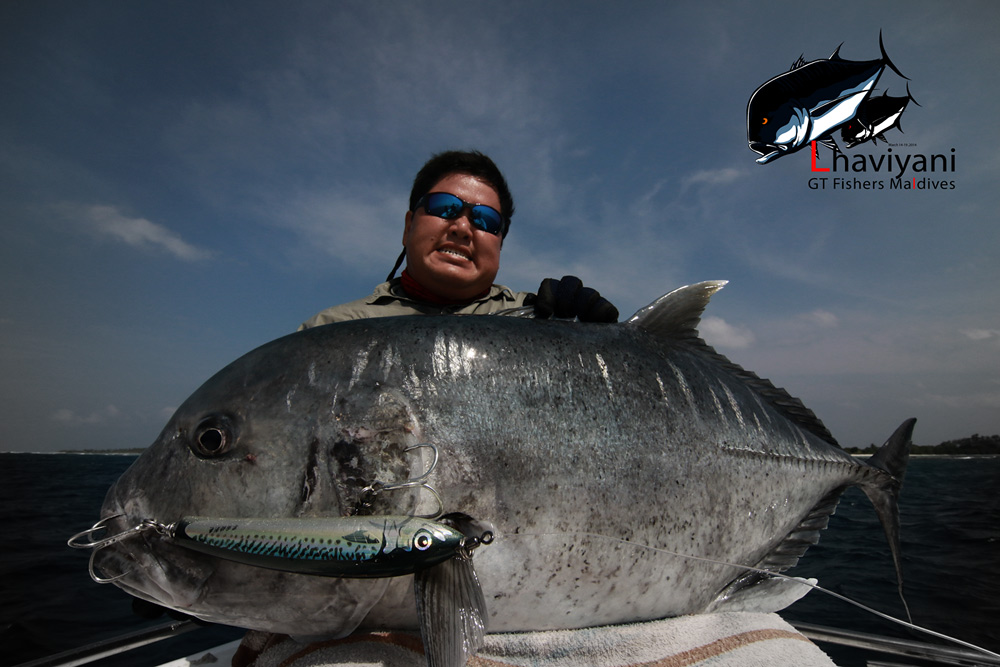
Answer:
(876, 116)
(810, 102)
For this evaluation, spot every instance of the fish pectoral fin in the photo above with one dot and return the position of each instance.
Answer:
(770, 156)
(762, 594)
(827, 107)
(452, 612)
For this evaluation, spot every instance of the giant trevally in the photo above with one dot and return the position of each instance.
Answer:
(626, 472)
(875, 117)
(809, 102)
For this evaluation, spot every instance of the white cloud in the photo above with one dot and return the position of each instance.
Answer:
(712, 177)
(820, 318)
(716, 331)
(358, 230)
(962, 401)
(139, 232)
(68, 416)
(981, 334)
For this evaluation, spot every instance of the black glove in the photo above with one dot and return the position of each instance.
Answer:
(568, 298)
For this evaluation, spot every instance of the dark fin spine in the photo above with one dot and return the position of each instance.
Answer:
(771, 593)
(451, 610)
(885, 57)
(788, 552)
(883, 493)
(676, 316)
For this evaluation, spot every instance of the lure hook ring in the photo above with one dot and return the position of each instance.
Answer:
(87, 540)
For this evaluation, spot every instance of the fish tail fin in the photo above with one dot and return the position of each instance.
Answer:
(909, 95)
(885, 57)
(883, 493)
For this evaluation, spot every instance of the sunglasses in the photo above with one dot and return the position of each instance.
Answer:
(448, 206)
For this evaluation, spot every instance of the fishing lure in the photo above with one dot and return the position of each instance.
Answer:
(356, 546)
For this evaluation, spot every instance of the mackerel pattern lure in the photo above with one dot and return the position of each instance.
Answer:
(353, 546)
(349, 546)
(359, 546)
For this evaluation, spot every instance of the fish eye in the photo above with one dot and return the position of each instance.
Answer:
(764, 122)
(214, 436)
(423, 540)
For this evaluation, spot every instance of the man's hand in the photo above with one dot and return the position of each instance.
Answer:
(568, 298)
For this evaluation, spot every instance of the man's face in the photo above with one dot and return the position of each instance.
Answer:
(453, 258)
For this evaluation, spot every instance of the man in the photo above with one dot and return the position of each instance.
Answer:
(460, 211)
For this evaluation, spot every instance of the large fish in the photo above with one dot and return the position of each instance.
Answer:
(810, 102)
(875, 117)
(605, 459)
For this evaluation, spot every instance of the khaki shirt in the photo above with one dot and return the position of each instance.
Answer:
(389, 300)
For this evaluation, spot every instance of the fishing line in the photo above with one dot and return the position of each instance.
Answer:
(750, 568)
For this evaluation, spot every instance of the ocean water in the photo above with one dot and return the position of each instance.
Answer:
(48, 603)
(950, 511)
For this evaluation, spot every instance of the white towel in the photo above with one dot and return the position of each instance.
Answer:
(734, 639)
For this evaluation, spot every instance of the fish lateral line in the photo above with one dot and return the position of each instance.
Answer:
(809, 583)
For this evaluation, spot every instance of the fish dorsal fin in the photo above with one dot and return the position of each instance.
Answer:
(677, 314)
(797, 64)
(836, 53)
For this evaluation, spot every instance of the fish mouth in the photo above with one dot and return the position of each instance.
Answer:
(146, 565)
(767, 152)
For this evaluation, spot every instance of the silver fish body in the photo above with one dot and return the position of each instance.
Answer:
(581, 445)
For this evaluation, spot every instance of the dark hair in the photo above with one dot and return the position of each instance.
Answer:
(472, 163)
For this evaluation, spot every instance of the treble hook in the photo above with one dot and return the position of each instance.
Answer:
(376, 487)
(416, 481)
(86, 540)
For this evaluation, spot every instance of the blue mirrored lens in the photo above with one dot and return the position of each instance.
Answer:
(486, 219)
(444, 206)
(449, 207)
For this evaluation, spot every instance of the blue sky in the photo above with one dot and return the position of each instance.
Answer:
(181, 182)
